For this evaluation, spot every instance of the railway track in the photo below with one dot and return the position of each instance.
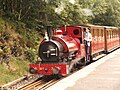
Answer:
(21, 82)
(40, 85)
(46, 85)
(30, 82)
(31, 86)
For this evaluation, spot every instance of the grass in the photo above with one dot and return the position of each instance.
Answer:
(7, 75)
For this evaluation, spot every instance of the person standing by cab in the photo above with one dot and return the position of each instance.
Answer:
(87, 42)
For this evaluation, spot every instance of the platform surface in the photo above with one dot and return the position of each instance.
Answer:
(103, 74)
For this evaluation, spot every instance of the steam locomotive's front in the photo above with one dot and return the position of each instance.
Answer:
(55, 52)
(50, 51)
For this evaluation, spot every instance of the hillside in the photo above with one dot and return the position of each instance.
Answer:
(18, 48)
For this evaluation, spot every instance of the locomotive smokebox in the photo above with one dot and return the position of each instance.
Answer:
(50, 51)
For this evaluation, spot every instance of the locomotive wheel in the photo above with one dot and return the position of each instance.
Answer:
(76, 64)
(83, 62)
(71, 68)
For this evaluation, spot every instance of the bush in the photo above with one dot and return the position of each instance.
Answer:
(31, 54)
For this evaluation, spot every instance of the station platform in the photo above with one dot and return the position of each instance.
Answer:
(103, 74)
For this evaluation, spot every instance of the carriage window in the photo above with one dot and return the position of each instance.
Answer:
(117, 33)
(96, 32)
(102, 33)
(111, 34)
(107, 35)
(92, 32)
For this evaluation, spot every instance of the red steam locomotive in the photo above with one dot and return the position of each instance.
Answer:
(63, 50)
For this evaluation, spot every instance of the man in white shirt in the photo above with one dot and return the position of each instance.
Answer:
(87, 41)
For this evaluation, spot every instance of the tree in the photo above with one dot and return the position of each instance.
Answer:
(38, 13)
(107, 12)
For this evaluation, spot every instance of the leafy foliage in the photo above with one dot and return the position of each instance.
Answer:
(38, 13)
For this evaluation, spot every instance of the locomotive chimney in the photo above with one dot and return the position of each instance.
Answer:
(49, 31)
